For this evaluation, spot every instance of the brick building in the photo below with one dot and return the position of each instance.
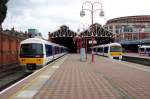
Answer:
(130, 30)
(9, 45)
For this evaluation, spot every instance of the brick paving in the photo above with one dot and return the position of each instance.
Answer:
(77, 80)
(134, 82)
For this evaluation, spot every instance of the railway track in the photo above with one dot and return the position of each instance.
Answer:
(11, 76)
(137, 60)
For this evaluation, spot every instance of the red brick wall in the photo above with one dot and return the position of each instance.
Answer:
(9, 46)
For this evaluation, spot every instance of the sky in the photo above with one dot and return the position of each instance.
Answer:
(49, 15)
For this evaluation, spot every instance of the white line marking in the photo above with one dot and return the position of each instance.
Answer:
(26, 94)
(55, 66)
(44, 76)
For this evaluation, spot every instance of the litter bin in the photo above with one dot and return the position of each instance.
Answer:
(82, 54)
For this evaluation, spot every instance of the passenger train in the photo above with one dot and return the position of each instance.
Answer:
(112, 50)
(144, 50)
(35, 53)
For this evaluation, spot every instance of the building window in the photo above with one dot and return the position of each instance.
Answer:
(110, 27)
(127, 29)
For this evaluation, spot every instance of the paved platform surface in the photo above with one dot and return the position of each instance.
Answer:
(103, 79)
(132, 79)
(77, 80)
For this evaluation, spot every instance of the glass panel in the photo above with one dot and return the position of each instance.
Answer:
(115, 49)
(31, 49)
(141, 49)
(100, 49)
(105, 49)
(48, 50)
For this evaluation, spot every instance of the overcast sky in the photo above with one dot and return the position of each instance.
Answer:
(49, 15)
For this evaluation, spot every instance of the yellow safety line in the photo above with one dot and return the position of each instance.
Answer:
(29, 83)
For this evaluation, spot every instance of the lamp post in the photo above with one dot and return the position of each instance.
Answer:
(92, 10)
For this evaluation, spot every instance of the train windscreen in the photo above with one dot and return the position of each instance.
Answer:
(115, 49)
(31, 50)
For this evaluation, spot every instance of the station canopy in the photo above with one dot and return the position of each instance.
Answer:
(101, 35)
(69, 38)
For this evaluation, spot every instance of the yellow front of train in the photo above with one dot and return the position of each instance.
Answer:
(31, 56)
(116, 52)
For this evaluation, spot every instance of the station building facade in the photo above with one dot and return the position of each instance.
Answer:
(130, 31)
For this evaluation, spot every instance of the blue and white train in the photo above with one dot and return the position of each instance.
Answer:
(112, 50)
(35, 53)
(144, 50)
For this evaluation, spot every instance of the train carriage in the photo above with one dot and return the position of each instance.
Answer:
(112, 50)
(36, 53)
(144, 50)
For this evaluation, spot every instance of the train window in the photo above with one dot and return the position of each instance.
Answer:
(56, 50)
(148, 49)
(59, 49)
(48, 50)
(94, 49)
(142, 49)
(115, 49)
(62, 50)
(100, 49)
(105, 49)
(31, 49)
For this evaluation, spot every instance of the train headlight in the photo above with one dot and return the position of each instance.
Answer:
(23, 60)
(39, 60)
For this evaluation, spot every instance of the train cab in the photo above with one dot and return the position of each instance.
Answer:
(35, 53)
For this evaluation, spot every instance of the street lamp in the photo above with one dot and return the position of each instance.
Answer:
(92, 10)
(82, 13)
(101, 13)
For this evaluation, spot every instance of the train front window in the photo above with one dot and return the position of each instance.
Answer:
(31, 49)
(115, 49)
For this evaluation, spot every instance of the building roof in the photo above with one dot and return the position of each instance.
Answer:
(63, 31)
(130, 19)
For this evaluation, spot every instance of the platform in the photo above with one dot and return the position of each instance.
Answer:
(142, 59)
(69, 78)
(137, 55)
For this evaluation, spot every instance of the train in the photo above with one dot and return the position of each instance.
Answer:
(144, 50)
(111, 50)
(34, 53)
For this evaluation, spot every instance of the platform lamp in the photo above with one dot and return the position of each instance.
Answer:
(82, 14)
